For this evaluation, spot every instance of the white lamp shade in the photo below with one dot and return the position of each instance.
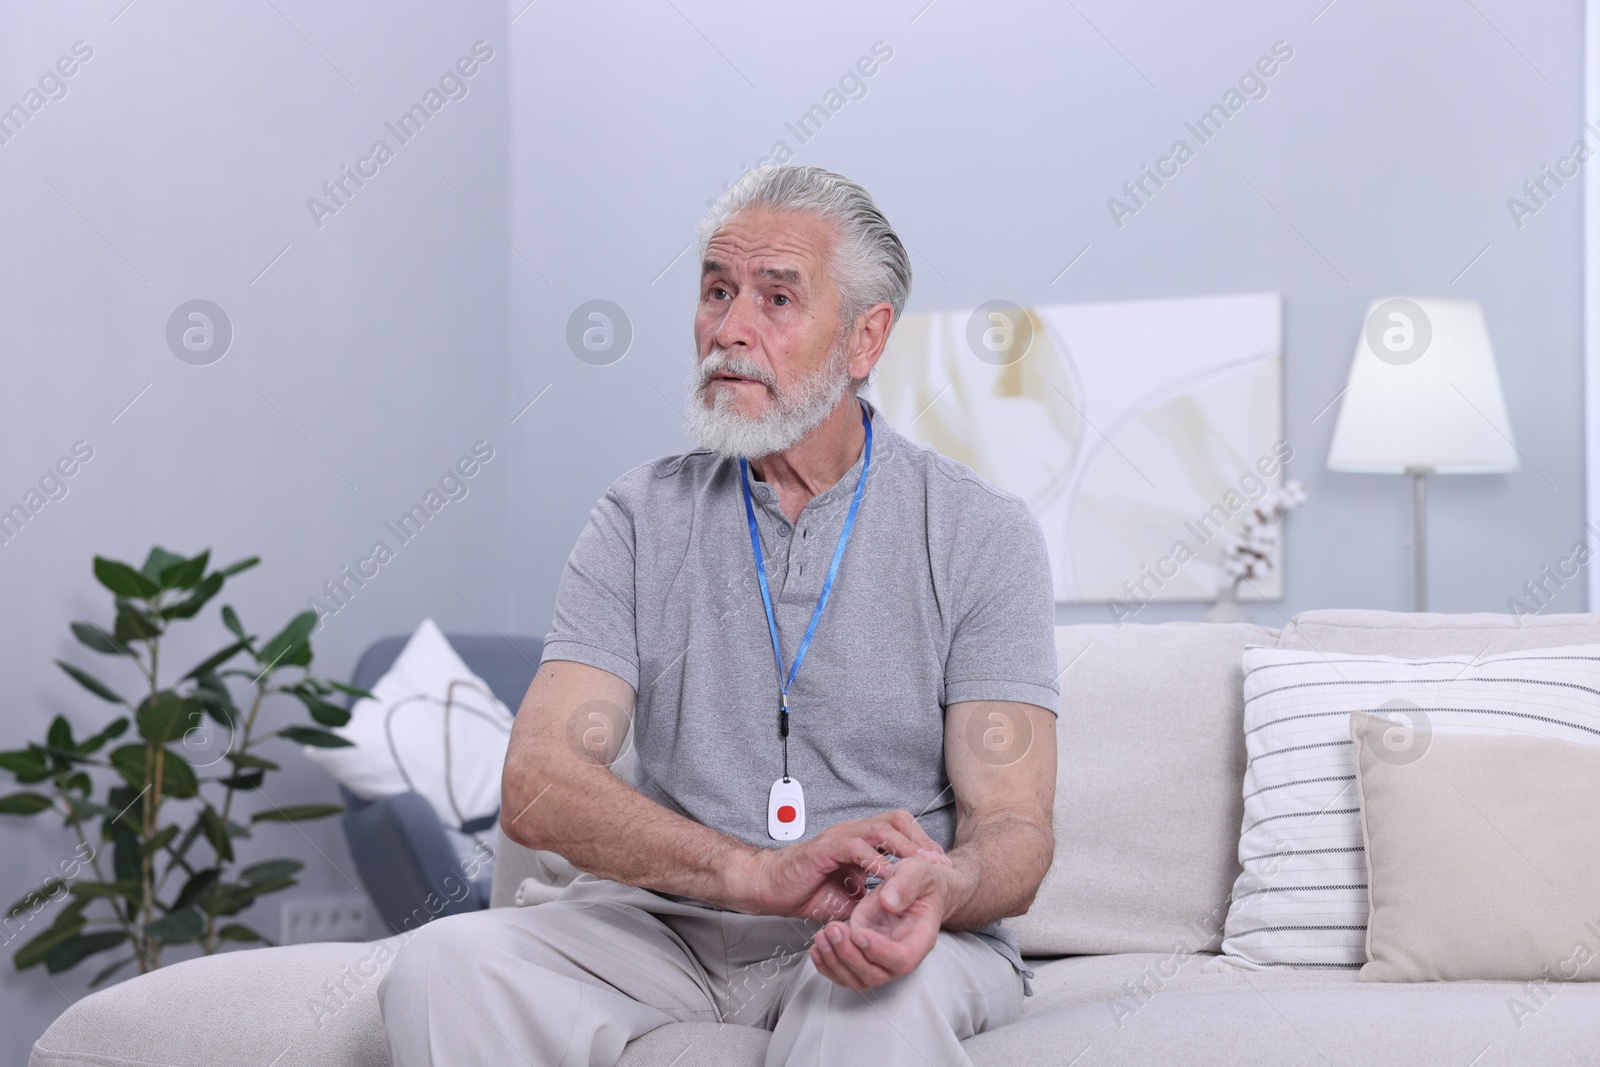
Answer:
(1423, 393)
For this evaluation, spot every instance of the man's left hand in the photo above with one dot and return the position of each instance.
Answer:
(893, 928)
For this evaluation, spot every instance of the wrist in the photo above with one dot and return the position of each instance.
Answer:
(739, 878)
(957, 886)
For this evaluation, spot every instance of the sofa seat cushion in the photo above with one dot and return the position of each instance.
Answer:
(1122, 983)
(1311, 1018)
(295, 1006)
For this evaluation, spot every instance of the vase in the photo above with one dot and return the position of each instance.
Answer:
(1226, 609)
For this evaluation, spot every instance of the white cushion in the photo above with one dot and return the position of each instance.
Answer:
(399, 735)
(1301, 897)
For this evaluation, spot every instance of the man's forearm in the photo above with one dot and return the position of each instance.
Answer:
(996, 868)
(606, 827)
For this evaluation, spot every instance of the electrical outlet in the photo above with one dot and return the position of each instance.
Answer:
(323, 919)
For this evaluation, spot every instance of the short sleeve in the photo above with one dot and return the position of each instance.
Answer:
(595, 617)
(1003, 644)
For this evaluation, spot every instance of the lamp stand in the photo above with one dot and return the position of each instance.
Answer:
(1419, 537)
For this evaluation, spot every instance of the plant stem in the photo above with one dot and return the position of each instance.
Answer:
(94, 861)
(210, 940)
(147, 951)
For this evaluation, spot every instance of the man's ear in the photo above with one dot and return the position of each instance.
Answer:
(869, 336)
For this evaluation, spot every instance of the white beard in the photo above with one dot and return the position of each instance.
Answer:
(793, 415)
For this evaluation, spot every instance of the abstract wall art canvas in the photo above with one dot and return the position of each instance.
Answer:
(1137, 431)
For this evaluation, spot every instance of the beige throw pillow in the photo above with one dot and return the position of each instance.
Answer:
(1147, 802)
(1483, 855)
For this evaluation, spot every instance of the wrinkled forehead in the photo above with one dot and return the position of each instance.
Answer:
(792, 247)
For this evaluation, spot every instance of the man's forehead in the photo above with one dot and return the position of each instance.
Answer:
(783, 246)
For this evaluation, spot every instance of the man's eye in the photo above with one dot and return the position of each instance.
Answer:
(718, 293)
(781, 300)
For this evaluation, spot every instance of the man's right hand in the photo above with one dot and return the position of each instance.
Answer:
(822, 878)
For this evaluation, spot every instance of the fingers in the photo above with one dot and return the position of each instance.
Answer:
(838, 953)
(909, 825)
(902, 834)
(857, 852)
(904, 885)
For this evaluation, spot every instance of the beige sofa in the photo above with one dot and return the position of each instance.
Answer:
(1123, 935)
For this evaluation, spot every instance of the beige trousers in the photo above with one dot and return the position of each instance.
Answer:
(572, 981)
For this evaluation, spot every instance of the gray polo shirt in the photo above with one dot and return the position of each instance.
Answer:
(944, 595)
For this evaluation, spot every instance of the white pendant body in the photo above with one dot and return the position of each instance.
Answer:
(786, 810)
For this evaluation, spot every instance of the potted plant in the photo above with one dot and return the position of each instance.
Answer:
(154, 863)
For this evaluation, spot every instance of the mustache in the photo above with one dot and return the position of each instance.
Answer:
(722, 361)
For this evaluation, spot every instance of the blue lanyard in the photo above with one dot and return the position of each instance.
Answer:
(827, 584)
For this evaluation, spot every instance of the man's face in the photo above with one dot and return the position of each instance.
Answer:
(771, 355)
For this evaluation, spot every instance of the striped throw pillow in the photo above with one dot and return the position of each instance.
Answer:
(1301, 898)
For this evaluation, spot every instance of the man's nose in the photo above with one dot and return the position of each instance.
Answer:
(736, 329)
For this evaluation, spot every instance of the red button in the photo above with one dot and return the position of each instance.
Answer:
(787, 813)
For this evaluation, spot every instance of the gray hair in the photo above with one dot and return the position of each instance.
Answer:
(870, 265)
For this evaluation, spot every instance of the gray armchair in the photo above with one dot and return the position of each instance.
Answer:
(400, 847)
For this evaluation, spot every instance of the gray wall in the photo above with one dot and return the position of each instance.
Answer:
(1379, 163)
(408, 327)
(369, 357)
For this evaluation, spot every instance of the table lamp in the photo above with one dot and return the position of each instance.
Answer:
(1423, 398)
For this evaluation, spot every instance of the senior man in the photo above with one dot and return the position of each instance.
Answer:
(834, 647)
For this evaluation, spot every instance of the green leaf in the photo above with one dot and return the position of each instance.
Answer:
(97, 639)
(186, 573)
(215, 660)
(245, 759)
(178, 926)
(28, 764)
(41, 893)
(123, 580)
(67, 924)
(270, 870)
(167, 716)
(160, 840)
(231, 621)
(133, 623)
(95, 890)
(125, 845)
(109, 971)
(242, 565)
(241, 932)
(24, 804)
(93, 744)
(283, 644)
(212, 693)
(83, 808)
(92, 684)
(128, 761)
(178, 779)
(252, 780)
(216, 833)
(245, 893)
(309, 735)
(359, 694)
(322, 711)
(190, 606)
(197, 886)
(297, 812)
(125, 812)
(59, 736)
(74, 950)
(159, 560)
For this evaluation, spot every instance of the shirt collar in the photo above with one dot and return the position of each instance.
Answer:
(845, 487)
